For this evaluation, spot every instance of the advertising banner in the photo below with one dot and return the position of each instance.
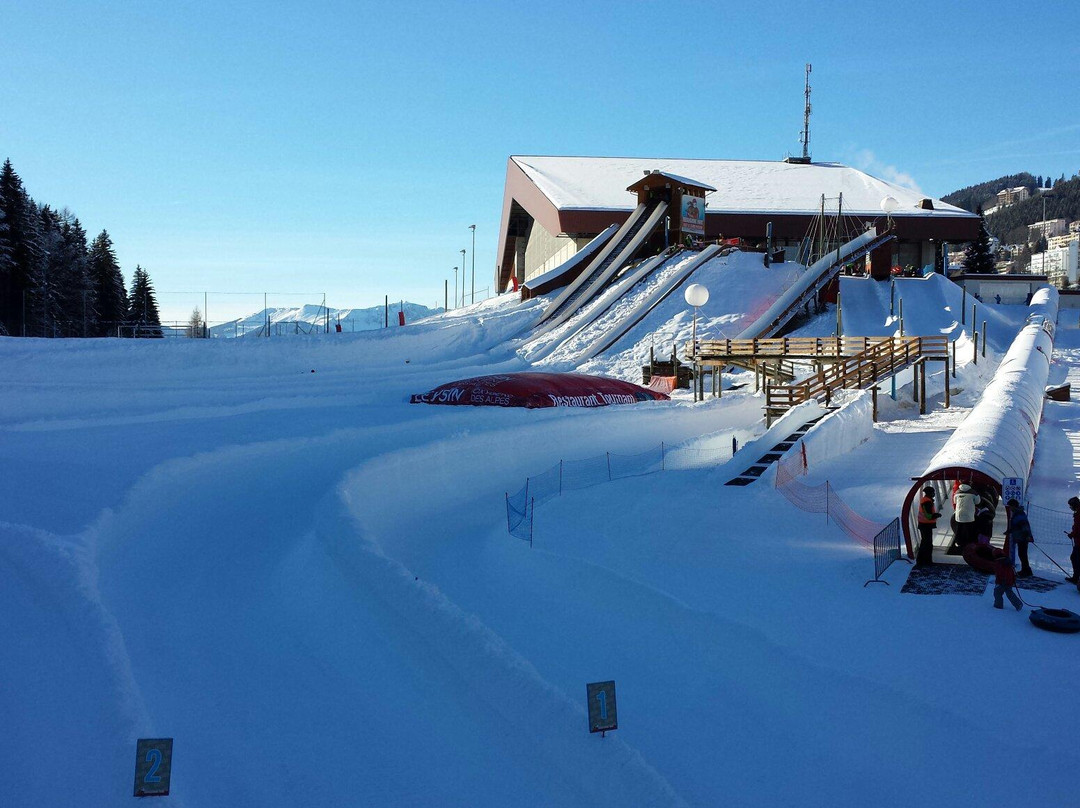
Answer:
(693, 215)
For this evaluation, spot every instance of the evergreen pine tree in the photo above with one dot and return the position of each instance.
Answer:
(78, 294)
(107, 286)
(142, 305)
(46, 296)
(7, 268)
(1039, 181)
(977, 257)
(20, 254)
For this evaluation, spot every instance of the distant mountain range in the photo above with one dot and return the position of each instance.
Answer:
(312, 319)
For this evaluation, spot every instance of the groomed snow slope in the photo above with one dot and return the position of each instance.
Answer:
(740, 289)
(932, 305)
(307, 582)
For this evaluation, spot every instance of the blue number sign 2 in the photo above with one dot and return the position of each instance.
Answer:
(153, 756)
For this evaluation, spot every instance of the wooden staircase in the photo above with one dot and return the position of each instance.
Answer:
(881, 358)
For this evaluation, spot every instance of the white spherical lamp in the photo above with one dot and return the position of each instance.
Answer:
(696, 295)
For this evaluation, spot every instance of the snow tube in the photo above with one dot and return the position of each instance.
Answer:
(1060, 620)
(982, 557)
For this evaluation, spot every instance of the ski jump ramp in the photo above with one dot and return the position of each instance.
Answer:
(810, 283)
(590, 313)
(639, 312)
(600, 270)
(550, 280)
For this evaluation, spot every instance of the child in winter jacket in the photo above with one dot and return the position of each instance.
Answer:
(1004, 581)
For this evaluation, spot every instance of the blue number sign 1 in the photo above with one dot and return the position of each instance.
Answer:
(603, 714)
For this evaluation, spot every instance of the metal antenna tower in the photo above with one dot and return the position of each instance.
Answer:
(806, 120)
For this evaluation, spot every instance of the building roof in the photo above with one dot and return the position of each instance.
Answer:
(673, 178)
(742, 186)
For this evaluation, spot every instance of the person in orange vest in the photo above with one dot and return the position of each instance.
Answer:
(928, 516)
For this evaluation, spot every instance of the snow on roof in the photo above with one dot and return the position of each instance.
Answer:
(758, 186)
(676, 178)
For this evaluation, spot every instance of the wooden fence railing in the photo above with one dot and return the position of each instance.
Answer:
(723, 351)
(881, 358)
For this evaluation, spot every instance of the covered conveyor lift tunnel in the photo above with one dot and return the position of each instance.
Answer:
(997, 439)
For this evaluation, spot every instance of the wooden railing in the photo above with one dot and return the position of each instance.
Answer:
(882, 357)
(721, 351)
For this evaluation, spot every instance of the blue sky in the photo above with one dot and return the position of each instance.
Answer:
(345, 147)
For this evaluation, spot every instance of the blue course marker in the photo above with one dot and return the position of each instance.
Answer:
(153, 757)
(603, 714)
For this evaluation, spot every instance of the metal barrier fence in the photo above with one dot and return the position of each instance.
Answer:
(574, 475)
(886, 550)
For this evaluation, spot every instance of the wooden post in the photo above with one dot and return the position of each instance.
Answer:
(952, 347)
(984, 338)
(963, 305)
(901, 317)
(922, 386)
(975, 353)
(873, 395)
(947, 363)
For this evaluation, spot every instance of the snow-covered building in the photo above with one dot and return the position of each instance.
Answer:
(553, 206)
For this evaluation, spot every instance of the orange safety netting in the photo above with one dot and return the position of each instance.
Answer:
(821, 498)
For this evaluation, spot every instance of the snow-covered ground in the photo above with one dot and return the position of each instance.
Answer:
(260, 549)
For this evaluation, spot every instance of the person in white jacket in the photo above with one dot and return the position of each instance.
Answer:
(964, 503)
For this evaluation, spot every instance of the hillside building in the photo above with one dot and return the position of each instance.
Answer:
(1060, 265)
(553, 206)
(1048, 228)
(1010, 196)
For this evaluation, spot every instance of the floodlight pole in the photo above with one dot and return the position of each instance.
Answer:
(462, 277)
(472, 297)
(455, 288)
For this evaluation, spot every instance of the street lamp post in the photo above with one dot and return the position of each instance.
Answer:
(472, 297)
(462, 277)
(889, 205)
(696, 295)
(455, 288)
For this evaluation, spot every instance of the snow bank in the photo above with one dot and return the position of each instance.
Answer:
(843, 430)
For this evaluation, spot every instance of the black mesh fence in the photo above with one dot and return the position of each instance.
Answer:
(574, 475)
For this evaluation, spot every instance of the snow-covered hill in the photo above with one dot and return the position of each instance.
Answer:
(259, 549)
(312, 319)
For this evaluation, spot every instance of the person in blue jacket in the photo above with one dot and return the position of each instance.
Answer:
(1019, 536)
